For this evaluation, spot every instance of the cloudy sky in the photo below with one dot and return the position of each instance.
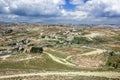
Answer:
(61, 11)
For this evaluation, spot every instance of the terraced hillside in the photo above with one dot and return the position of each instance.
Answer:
(84, 52)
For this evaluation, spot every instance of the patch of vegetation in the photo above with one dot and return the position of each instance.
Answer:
(117, 49)
(80, 40)
(44, 63)
(117, 37)
(43, 36)
(13, 43)
(36, 50)
(59, 77)
(114, 61)
(18, 56)
(98, 39)
(8, 31)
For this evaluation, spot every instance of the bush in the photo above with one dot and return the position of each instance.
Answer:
(99, 39)
(8, 31)
(12, 44)
(43, 36)
(80, 40)
(36, 50)
(113, 61)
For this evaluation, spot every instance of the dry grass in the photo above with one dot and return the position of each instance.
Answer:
(90, 60)
(52, 77)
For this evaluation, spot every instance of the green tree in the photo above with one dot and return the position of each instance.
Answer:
(36, 50)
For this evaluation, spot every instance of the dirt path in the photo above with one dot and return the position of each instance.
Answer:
(98, 74)
(65, 62)
(68, 57)
(28, 58)
(97, 51)
(59, 60)
(4, 57)
(92, 35)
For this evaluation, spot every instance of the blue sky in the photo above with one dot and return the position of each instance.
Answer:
(69, 6)
(61, 11)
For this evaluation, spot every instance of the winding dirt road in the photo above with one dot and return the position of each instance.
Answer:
(59, 60)
(97, 51)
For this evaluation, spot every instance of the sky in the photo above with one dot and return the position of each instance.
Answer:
(61, 11)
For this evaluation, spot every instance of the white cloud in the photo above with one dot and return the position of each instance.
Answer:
(76, 2)
(77, 15)
(47, 10)
(96, 11)
(31, 7)
(101, 7)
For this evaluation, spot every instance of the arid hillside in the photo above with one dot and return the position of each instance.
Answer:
(31, 48)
